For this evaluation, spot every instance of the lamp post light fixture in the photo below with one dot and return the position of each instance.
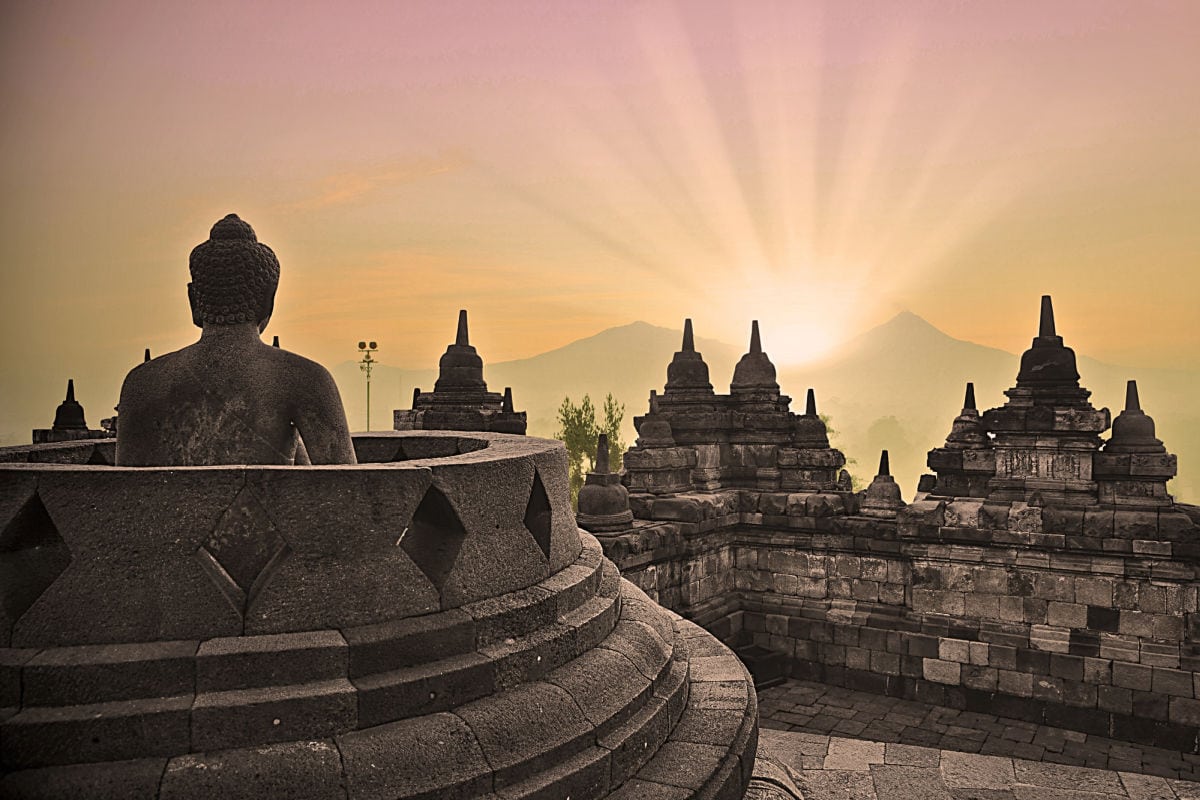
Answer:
(367, 348)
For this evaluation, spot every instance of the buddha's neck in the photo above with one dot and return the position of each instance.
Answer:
(240, 333)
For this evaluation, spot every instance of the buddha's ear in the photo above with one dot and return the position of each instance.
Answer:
(197, 319)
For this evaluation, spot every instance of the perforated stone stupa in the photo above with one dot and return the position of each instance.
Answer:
(460, 400)
(428, 622)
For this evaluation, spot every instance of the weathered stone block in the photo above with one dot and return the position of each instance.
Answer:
(1025, 518)
(982, 606)
(1132, 676)
(1019, 684)
(1171, 681)
(1067, 615)
(964, 513)
(1094, 592)
(250, 773)
(1054, 586)
(1184, 711)
(944, 672)
(1067, 521)
(1098, 523)
(1050, 639)
(954, 650)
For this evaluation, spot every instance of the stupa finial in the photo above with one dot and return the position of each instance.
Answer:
(601, 454)
(147, 356)
(1131, 397)
(1046, 326)
(274, 341)
(70, 391)
(884, 466)
(969, 400)
(461, 337)
(506, 405)
(755, 341)
(689, 342)
(810, 405)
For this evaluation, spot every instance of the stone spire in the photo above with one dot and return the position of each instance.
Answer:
(274, 341)
(754, 372)
(147, 356)
(1134, 466)
(966, 462)
(461, 338)
(69, 415)
(1047, 432)
(1048, 364)
(654, 430)
(967, 430)
(602, 454)
(809, 430)
(460, 368)
(460, 400)
(603, 500)
(882, 497)
(687, 373)
(1133, 429)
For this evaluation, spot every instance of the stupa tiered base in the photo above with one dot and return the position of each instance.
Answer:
(432, 627)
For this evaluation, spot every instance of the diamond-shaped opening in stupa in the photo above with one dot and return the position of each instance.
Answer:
(243, 551)
(538, 518)
(434, 537)
(32, 556)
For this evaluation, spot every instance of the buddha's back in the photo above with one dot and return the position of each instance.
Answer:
(229, 398)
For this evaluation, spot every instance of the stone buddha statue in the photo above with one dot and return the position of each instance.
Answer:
(230, 398)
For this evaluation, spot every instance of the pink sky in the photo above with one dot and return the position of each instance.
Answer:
(559, 168)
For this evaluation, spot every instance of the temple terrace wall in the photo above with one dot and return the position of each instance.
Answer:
(1083, 619)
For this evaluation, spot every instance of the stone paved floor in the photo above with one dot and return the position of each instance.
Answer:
(816, 708)
(835, 768)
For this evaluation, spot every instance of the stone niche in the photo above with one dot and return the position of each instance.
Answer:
(427, 623)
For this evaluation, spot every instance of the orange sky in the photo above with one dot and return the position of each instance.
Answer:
(559, 168)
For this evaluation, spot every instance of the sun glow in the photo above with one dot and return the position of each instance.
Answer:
(790, 191)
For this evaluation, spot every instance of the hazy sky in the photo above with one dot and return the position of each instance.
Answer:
(562, 167)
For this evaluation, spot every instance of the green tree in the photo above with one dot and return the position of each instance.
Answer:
(579, 431)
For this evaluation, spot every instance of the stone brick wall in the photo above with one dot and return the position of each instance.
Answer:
(1085, 619)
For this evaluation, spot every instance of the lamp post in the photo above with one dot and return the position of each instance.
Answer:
(367, 348)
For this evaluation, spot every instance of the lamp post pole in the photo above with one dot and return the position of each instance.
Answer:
(367, 348)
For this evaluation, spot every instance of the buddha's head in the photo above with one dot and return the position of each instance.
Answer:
(234, 277)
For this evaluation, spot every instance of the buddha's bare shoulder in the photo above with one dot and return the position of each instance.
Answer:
(154, 376)
(304, 369)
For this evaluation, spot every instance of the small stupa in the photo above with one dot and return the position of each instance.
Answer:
(603, 502)
(460, 400)
(1134, 466)
(69, 422)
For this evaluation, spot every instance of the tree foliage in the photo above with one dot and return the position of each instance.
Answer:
(580, 432)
